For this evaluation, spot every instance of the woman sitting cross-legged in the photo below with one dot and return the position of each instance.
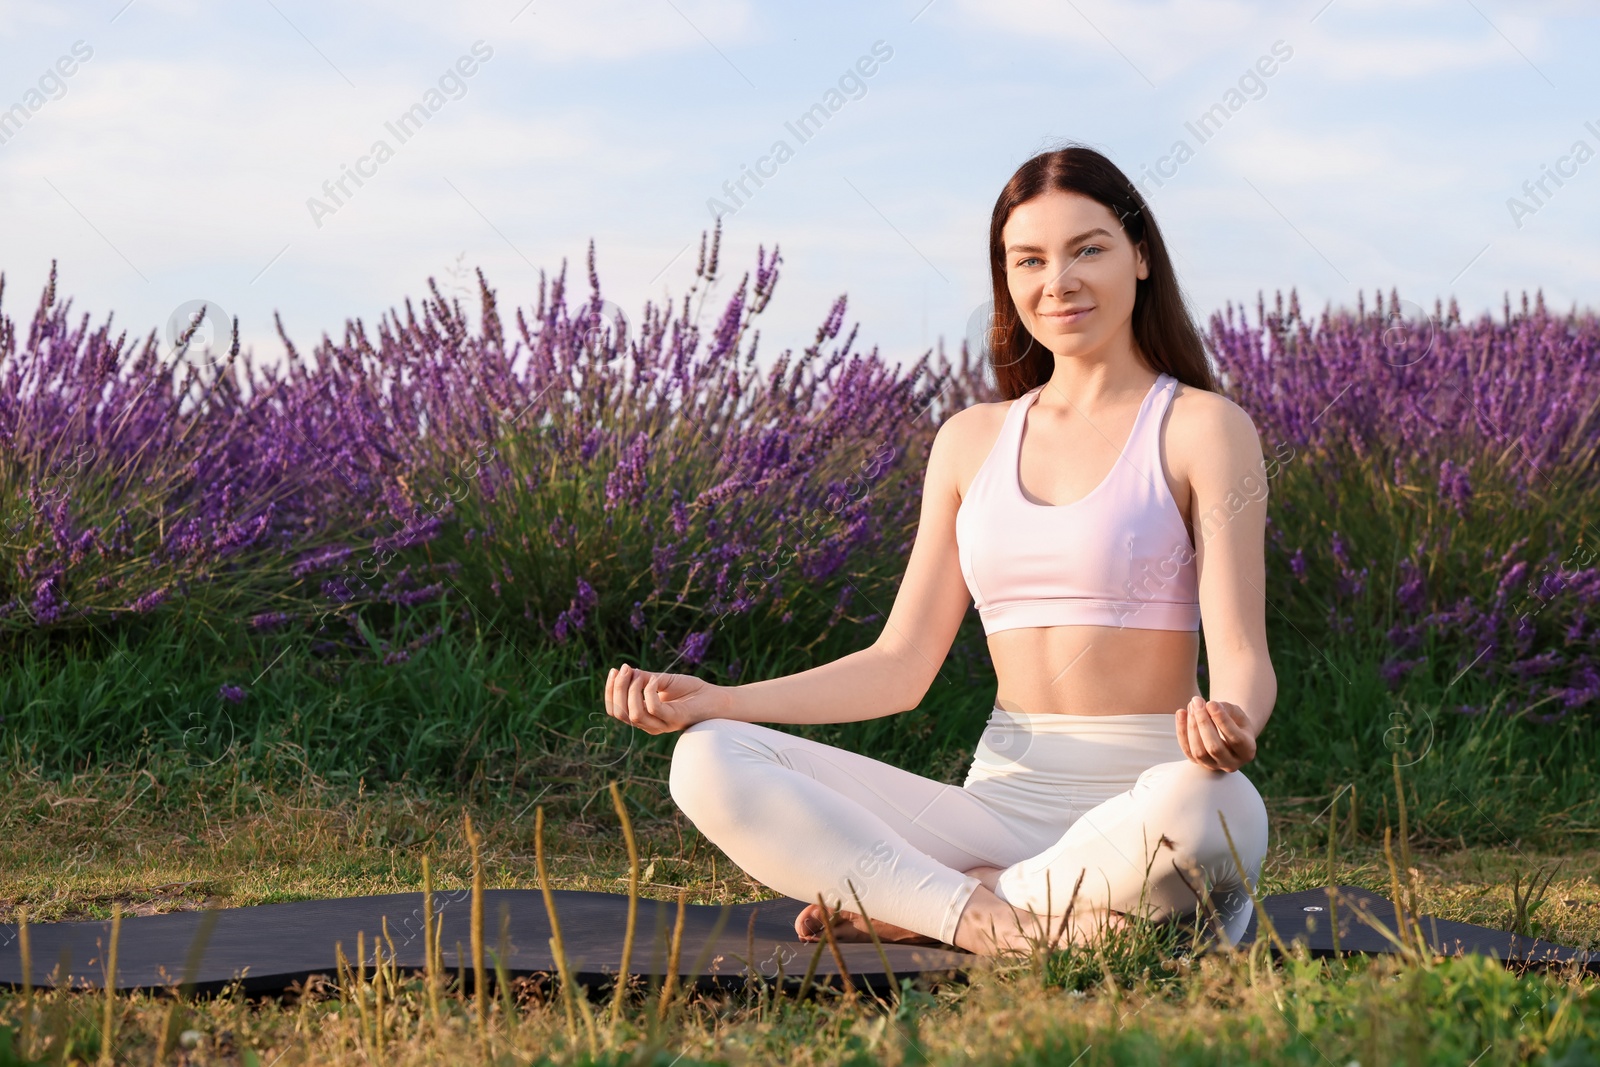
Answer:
(1095, 519)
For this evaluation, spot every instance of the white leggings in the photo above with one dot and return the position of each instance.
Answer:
(1048, 796)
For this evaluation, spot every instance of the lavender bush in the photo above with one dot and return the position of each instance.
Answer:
(1434, 487)
(654, 491)
(648, 491)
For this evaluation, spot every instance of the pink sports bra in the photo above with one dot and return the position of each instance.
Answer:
(1117, 557)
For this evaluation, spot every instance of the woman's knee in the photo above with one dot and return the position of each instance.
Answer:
(704, 765)
(1201, 809)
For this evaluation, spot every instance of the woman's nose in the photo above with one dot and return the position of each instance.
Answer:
(1060, 283)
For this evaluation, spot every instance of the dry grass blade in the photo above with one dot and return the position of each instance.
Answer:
(750, 950)
(811, 970)
(171, 1025)
(1413, 927)
(1409, 933)
(711, 942)
(671, 979)
(1263, 920)
(575, 1007)
(1205, 909)
(1333, 894)
(633, 906)
(894, 983)
(480, 994)
(378, 982)
(359, 990)
(25, 948)
(197, 949)
(341, 964)
(108, 1028)
(502, 976)
(833, 946)
(430, 968)
(1072, 902)
(1366, 918)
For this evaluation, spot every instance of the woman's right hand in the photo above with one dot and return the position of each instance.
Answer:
(657, 702)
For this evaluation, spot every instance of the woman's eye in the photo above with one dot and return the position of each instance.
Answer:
(1091, 248)
(1030, 259)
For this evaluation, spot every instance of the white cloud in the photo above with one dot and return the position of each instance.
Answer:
(1275, 154)
(1164, 38)
(566, 31)
(1363, 58)
(1160, 40)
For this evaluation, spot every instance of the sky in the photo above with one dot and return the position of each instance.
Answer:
(172, 152)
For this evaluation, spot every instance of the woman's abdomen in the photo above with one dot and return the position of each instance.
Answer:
(1094, 670)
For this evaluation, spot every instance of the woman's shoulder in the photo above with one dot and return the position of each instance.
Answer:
(963, 440)
(1205, 423)
(1207, 414)
(977, 423)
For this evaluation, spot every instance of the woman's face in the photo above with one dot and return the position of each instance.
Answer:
(1071, 270)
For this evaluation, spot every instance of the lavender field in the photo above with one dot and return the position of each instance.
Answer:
(269, 632)
(207, 558)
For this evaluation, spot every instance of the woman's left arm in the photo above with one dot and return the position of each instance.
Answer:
(1228, 510)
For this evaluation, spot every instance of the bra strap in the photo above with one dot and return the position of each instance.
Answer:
(1151, 447)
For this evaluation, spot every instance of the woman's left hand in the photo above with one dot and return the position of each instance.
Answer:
(1215, 734)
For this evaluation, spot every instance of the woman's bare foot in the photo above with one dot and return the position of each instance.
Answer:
(991, 927)
(848, 926)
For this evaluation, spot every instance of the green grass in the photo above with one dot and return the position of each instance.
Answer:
(162, 837)
(461, 713)
(129, 783)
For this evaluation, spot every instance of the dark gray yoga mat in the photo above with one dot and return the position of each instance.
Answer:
(269, 947)
(1307, 917)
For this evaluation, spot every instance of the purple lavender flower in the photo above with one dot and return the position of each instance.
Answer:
(232, 694)
(1340, 555)
(149, 601)
(1410, 597)
(1455, 486)
(591, 443)
(1539, 664)
(1584, 687)
(1394, 671)
(47, 601)
(1351, 583)
(695, 646)
(576, 615)
(625, 485)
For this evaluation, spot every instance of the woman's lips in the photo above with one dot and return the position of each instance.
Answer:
(1068, 316)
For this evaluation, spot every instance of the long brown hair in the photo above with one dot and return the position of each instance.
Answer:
(1163, 330)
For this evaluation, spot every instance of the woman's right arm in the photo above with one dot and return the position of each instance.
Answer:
(889, 676)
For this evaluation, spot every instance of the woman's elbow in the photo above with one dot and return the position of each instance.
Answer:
(904, 673)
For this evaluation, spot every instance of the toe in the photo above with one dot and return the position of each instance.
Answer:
(808, 924)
